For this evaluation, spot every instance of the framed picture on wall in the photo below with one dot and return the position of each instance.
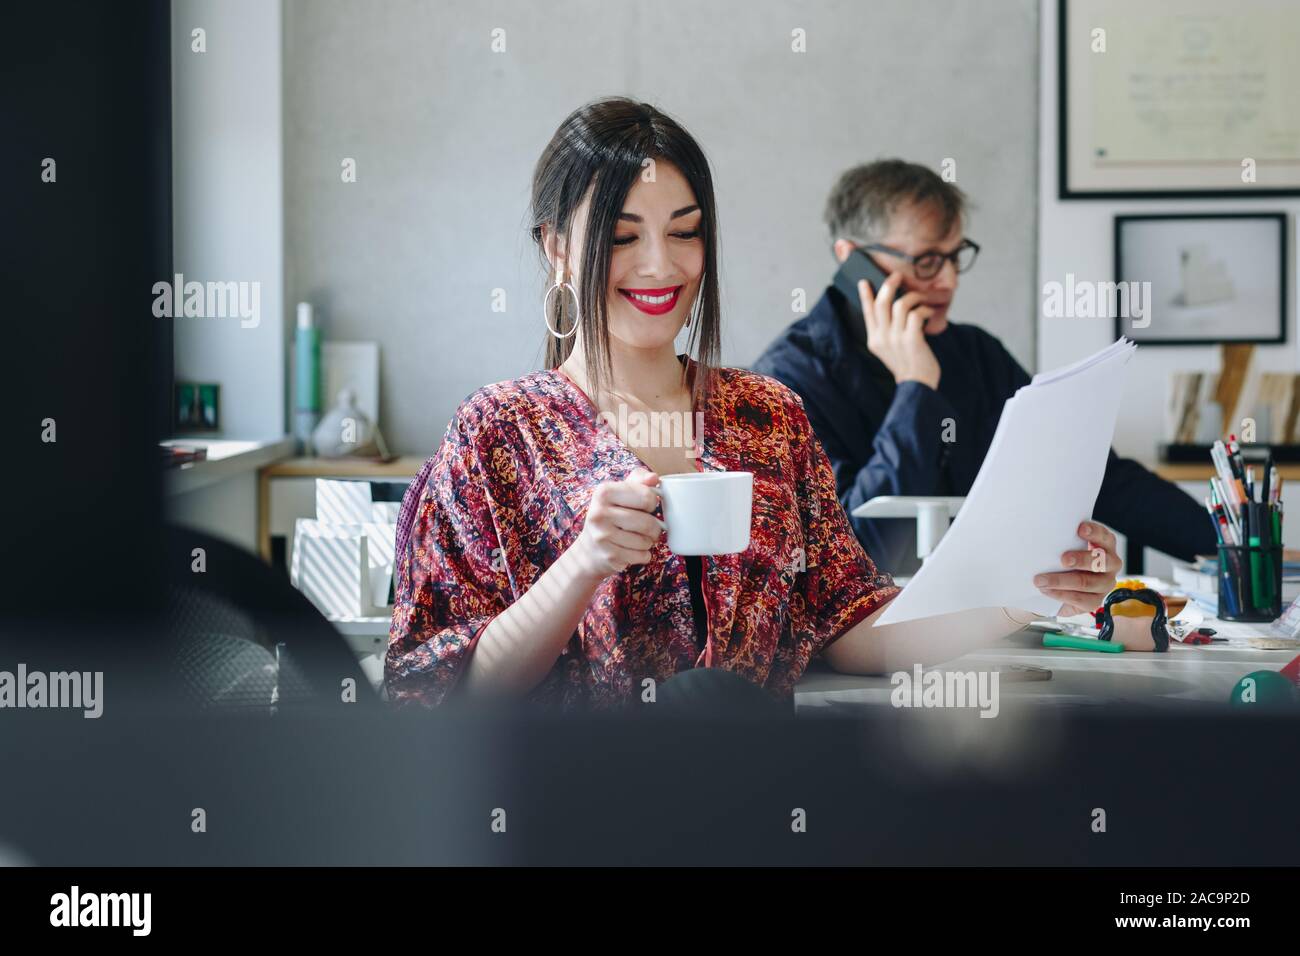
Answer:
(1194, 98)
(197, 407)
(1201, 278)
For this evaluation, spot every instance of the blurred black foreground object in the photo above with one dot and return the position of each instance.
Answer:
(356, 785)
(241, 638)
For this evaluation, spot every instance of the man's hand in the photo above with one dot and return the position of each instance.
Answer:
(1081, 591)
(895, 331)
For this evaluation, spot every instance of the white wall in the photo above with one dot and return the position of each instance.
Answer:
(226, 509)
(228, 202)
(445, 134)
(1077, 236)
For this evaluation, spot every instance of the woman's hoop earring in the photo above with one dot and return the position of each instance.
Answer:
(577, 310)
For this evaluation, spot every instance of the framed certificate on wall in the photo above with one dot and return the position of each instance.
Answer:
(1201, 278)
(1178, 98)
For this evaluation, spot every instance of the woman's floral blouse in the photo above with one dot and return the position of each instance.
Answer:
(506, 493)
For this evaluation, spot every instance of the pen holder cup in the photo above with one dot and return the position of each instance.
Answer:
(1250, 583)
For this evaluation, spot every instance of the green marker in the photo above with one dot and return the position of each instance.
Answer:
(1066, 642)
(1256, 578)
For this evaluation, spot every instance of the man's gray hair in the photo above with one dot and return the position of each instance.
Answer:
(864, 198)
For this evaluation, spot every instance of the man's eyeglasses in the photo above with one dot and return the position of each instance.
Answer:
(930, 264)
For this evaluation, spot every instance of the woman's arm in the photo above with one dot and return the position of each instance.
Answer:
(519, 647)
(517, 650)
(866, 649)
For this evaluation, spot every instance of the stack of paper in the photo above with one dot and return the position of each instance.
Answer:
(1039, 480)
(343, 558)
(1202, 578)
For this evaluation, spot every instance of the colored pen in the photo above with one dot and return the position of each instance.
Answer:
(1234, 475)
(1067, 642)
(1261, 534)
(1253, 539)
(1228, 516)
(1218, 489)
(1214, 520)
(1226, 476)
(1234, 461)
(1225, 573)
(1229, 533)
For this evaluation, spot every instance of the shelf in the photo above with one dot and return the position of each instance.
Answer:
(226, 458)
(1184, 472)
(404, 467)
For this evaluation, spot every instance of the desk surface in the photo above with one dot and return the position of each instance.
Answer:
(1181, 676)
(225, 459)
(1184, 675)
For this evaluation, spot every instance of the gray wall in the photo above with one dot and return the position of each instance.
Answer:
(445, 134)
(227, 203)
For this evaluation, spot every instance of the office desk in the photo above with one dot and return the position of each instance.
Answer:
(1183, 676)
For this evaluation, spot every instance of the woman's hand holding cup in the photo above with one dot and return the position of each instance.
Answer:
(620, 529)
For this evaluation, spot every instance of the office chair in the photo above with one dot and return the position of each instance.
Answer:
(241, 638)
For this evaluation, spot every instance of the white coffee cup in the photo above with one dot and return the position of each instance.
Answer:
(707, 512)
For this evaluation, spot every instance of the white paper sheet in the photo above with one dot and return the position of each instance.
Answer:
(343, 502)
(1039, 480)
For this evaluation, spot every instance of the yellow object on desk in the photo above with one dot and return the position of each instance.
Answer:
(1143, 627)
(1131, 607)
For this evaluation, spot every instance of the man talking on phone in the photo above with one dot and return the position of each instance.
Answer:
(906, 401)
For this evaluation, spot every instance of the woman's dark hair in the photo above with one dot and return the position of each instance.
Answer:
(602, 147)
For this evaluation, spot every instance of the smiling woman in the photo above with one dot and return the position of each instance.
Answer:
(536, 563)
(623, 199)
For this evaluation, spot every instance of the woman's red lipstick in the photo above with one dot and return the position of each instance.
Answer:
(672, 294)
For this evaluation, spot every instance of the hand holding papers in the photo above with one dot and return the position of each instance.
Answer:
(1038, 482)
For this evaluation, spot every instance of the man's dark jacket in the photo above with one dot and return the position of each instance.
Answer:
(884, 438)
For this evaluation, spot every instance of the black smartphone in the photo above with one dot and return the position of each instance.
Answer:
(858, 266)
